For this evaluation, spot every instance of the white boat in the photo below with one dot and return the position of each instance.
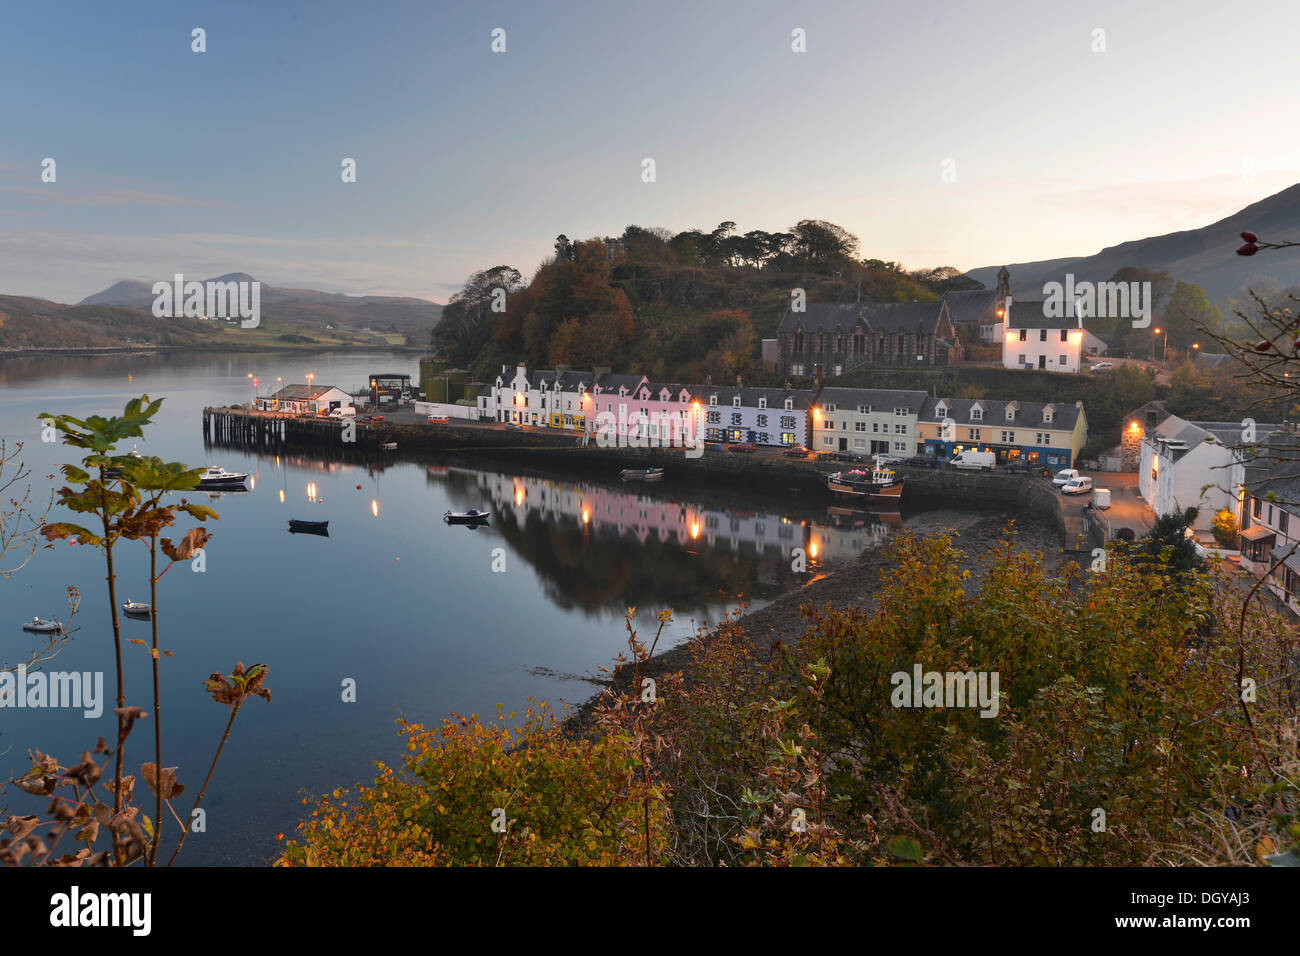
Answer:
(471, 517)
(389, 446)
(136, 609)
(216, 477)
(641, 474)
(42, 627)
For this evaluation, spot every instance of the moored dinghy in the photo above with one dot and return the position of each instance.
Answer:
(641, 474)
(309, 527)
(471, 517)
(136, 609)
(41, 626)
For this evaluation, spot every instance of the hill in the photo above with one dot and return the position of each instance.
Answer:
(1203, 256)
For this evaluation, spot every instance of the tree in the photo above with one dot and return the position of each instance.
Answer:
(1224, 529)
(1187, 314)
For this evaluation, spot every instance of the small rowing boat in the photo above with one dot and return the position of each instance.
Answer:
(641, 474)
(41, 626)
(471, 517)
(136, 609)
(309, 527)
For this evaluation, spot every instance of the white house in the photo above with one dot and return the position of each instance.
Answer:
(867, 421)
(305, 400)
(762, 416)
(1199, 465)
(1034, 339)
(1269, 519)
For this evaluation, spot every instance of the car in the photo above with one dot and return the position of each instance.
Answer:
(439, 421)
(798, 451)
(744, 447)
(882, 460)
(1020, 467)
(1079, 485)
(1064, 475)
(1104, 367)
(514, 427)
(847, 456)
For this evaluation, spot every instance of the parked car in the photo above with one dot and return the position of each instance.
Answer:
(798, 451)
(1020, 467)
(983, 460)
(847, 456)
(882, 460)
(514, 427)
(925, 461)
(1077, 486)
(1104, 367)
(744, 447)
(1064, 475)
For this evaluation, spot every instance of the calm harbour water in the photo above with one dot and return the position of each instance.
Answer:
(408, 608)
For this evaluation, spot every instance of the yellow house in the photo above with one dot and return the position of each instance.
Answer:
(1051, 434)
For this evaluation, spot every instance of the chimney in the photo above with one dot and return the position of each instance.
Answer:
(739, 383)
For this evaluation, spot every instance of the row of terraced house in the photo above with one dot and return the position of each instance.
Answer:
(864, 421)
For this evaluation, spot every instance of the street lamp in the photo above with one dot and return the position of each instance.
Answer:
(1164, 345)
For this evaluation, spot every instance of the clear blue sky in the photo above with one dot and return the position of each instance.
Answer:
(169, 161)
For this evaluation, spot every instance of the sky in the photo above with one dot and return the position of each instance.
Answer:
(939, 133)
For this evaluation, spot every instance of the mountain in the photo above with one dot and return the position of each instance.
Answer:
(27, 323)
(306, 308)
(1205, 256)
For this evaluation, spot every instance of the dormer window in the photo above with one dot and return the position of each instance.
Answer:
(1011, 414)
(941, 410)
(789, 404)
(830, 406)
(762, 403)
(977, 414)
(1047, 416)
(713, 399)
(735, 402)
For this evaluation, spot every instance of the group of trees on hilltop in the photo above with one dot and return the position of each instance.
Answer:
(1178, 308)
(677, 305)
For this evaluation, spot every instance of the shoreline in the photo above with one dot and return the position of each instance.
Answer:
(94, 350)
(780, 621)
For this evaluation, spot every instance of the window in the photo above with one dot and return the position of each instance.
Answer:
(900, 446)
(789, 404)
(1063, 334)
(900, 429)
(713, 399)
(1062, 359)
(764, 438)
(787, 438)
(973, 434)
(1024, 334)
(859, 443)
(830, 406)
(762, 421)
(762, 403)
(1283, 518)
(735, 418)
(796, 370)
(859, 426)
(1021, 358)
(828, 440)
(735, 402)
(1047, 416)
(1042, 438)
(1270, 514)
(1256, 507)
(787, 421)
(875, 427)
(830, 425)
(1011, 413)
(1008, 438)
(864, 409)
(714, 418)
(977, 414)
(1042, 335)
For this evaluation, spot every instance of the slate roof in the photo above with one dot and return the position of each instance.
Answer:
(1033, 315)
(972, 305)
(876, 316)
(749, 396)
(1065, 415)
(877, 398)
(302, 393)
(1192, 434)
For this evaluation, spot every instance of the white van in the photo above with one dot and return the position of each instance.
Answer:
(974, 459)
(344, 411)
(1064, 477)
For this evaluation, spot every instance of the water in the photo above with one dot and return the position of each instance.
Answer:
(410, 609)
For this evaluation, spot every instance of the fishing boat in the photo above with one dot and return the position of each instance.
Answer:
(880, 486)
(114, 471)
(389, 446)
(471, 517)
(642, 474)
(310, 527)
(41, 626)
(215, 477)
(136, 609)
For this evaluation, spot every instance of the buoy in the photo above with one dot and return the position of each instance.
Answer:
(358, 487)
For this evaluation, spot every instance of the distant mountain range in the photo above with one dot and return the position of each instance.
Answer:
(1205, 256)
(306, 307)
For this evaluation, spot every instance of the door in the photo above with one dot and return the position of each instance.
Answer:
(1042, 361)
(844, 444)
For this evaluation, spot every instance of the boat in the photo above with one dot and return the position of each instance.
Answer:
(114, 471)
(215, 477)
(881, 486)
(389, 446)
(136, 609)
(641, 474)
(296, 525)
(471, 517)
(42, 627)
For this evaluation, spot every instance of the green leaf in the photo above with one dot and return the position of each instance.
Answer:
(906, 848)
